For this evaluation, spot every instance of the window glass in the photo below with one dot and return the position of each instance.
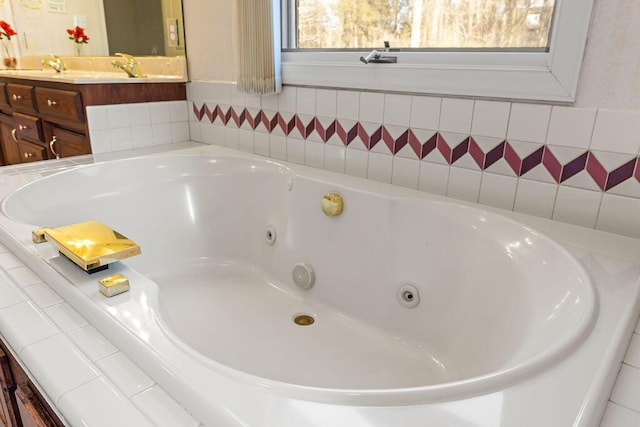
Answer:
(426, 24)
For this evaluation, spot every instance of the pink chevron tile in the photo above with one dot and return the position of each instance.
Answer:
(532, 160)
(199, 112)
(574, 166)
(375, 137)
(512, 159)
(620, 174)
(401, 141)
(597, 171)
(388, 139)
(494, 154)
(476, 153)
(305, 130)
(346, 135)
(460, 150)
(444, 148)
(637, 175)
(552, 164)
(211, 114)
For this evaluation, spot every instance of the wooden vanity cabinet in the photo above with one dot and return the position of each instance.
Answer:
(42, 120)
(21, 405)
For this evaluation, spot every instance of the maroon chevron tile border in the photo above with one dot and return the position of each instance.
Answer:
(544, 156)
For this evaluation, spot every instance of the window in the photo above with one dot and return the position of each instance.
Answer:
(518, 49)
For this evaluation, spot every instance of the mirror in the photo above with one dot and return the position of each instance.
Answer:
(137, 27)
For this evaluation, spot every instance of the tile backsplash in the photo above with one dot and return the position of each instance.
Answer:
(574, 165)
(128, 126)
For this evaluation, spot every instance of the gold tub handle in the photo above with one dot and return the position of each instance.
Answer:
(332, 204)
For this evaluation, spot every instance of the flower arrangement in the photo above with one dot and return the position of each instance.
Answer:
(6, 32)
(77, 35)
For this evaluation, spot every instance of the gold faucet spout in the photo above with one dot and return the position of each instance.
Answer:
(130, 65)
(56, 63)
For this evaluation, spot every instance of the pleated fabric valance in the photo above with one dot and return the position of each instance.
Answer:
(258, 28)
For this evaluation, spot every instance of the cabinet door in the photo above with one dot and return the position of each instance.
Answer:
(68, 144)
(32, 413)
(7, 397)
(10, 148)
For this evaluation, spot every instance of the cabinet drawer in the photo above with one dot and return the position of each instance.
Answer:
(21, 96)
(28, 127)
(31, 152)
(65, 104)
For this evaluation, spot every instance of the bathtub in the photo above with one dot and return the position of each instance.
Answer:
(418, 303)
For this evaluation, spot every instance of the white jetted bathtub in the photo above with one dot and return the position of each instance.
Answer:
(416, 302)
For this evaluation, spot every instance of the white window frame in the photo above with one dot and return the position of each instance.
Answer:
(540, 76)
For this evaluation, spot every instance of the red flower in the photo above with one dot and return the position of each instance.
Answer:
(77, 35)
(6, 30)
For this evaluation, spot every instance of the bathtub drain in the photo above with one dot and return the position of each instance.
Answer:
(304, 320)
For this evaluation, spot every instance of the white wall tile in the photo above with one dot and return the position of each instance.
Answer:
(371, 107)
(178, 111)
(380, 167)
(252, 101)
(425, 112)
(619, 215)
(232, 137)
(617, 131)
(456, 115)
(577, 206)
(632, 357)
(619, 416)
(406, 172)
(22, 325)
(626, 391)
(245, 140)
(140, 114)
(270, 102)
(434, 178)
(161, 133)
(121, 138)
(179, 132)
(278, 147)
(498, 191)
(100, 141)
(348, 105)
(529, 122)
(159, 112)
(306, 101)
(326, 102)
(356, 162)
(571, 127)
(261, 144)
(9, 261)
(535, 198)
(314, 154)
(464, 184)
(118, 116)
(490, 118)
(397, 110)
(97, 117)
(142, 136)
(334, 158)
(295, 150)
(287, 99)
(195, 133)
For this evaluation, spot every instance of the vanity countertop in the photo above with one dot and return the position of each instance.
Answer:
(87, 77)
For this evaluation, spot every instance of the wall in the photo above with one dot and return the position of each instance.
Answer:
(577, 164)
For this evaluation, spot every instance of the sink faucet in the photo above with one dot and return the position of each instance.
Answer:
(131, 66)
(56, 63)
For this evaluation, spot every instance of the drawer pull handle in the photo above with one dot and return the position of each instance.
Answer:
(16, 97)
(28, 155)
(23, 127)
(51, 103)
(13, 135)
(53, 141)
